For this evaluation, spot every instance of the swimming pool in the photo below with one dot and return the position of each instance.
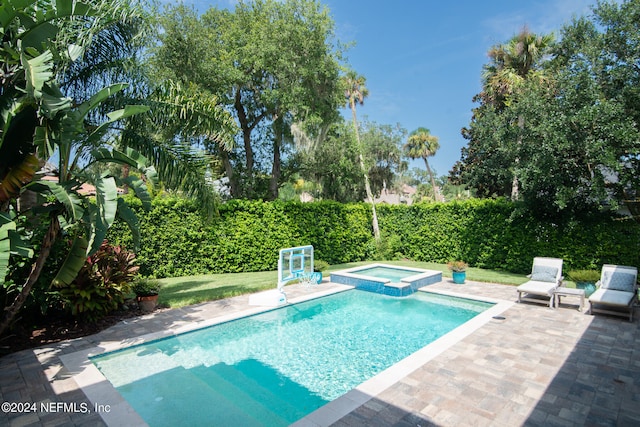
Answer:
(387, 279)
(276, 367)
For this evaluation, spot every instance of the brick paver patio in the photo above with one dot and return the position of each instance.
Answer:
(533, 366)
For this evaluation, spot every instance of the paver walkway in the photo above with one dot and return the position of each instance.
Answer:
(536, 366)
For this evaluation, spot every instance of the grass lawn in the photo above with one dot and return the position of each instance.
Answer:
(182, 291)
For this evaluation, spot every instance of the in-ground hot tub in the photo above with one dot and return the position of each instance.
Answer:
(387, 279)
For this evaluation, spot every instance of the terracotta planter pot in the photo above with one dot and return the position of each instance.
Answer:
(148, 303)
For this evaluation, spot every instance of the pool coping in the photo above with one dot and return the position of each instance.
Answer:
(100, 392)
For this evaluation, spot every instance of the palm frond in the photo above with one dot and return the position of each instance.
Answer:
(189, 112)
(179, 166)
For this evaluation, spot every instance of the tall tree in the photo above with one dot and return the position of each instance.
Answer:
(422, 145)
(355, 92)
(273, 63)
(511, 64)
(580, 149)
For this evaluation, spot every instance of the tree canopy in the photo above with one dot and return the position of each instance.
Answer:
(572, 137)
(272, 63)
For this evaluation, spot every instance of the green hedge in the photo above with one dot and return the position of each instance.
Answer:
(247, 236)
(495, 234)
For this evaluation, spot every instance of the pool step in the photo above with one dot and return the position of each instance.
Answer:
(286, 397)
(252, 402)
(164, 400)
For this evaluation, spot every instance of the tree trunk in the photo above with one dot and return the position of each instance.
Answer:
(246, 128)
(367, 185)
(276, 171)
(515, 187)
(234, 188)
(433, 181)
(36, 269)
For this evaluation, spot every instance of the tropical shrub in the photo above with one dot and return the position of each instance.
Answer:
(102, 283)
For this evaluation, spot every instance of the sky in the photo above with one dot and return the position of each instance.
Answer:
(423, 59)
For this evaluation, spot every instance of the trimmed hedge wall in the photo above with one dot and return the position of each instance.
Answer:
(493, 234)
(247, 236)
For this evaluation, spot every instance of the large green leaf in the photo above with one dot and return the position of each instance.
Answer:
(129, 157)
(99, 97)
(140, 188)
(43, 142)
(53, 101)
(38, 71)
(40, 35)
(73, 263)
(69, 199)
(38, 24)
(10, 9)
(107, 207)
(70, 8)
(131, 219)
(6, 225)
(20, 245)
(114, 116)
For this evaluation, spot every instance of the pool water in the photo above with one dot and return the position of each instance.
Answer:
(393, 274)
(276, 367)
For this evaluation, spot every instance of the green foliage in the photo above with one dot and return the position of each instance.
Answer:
(589, 276)
(495, 234)
(102, 283)
(273, 63)
(146, 286)
(246, 236)
(569, 136)
(320, 265)
(491, 234)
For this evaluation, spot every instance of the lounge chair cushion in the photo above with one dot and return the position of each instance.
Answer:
(539, 288)
(544, 273)
(618, 281)
(612, 297)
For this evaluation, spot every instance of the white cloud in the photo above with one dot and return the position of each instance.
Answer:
(540, 17)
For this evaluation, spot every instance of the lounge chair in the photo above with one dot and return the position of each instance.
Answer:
(616, 290)
(546, 276)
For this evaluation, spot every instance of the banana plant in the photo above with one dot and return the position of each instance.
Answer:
(42, 40)
(36, 120)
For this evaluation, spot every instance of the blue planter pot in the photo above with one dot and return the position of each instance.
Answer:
(459, 277)
(589, 288)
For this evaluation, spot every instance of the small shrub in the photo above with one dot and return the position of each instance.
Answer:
(584, 276)
(146, 286)
(320, 265)
(457, 266)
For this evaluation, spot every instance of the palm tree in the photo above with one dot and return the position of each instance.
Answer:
(421, 144)
(511, 65)
(355, 92)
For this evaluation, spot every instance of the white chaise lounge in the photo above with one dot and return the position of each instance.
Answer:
(617, 291)
(546, 276)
